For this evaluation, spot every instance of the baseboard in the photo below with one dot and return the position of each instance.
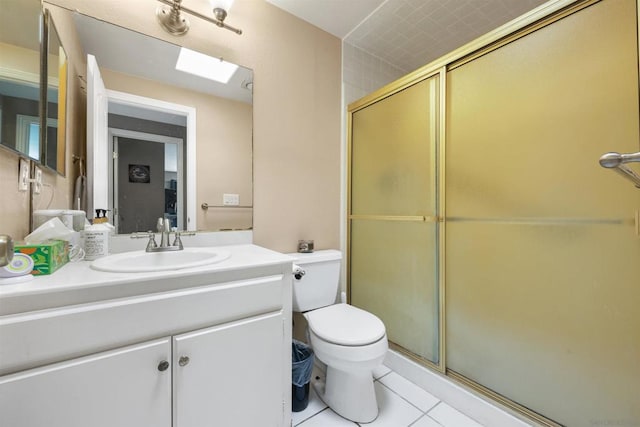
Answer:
(473, 405)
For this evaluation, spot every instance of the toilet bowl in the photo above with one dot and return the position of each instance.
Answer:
(351, 342)
(351, 352)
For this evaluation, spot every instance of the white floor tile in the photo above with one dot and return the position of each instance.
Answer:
(394, 410)
(450, 417)
(426, 421)
(315, 405)
(327, 418)
(380, 371)
(418, 397)
(480, 409)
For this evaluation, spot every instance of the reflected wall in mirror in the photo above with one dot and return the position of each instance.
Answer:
(20, 76)
(54, 139)
(207, 125)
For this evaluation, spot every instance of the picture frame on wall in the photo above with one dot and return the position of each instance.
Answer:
(140, 174)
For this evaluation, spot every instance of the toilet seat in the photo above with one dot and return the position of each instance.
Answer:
(346, 325)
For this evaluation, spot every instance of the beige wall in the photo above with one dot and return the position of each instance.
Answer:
(296, 112)
(14, 208)
(20, 58)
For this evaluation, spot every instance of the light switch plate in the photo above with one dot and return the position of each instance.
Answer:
(37, 188)
(230, 199)
(23, 175)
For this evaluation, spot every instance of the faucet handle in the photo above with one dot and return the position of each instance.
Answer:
(152, 241)
(177, 241)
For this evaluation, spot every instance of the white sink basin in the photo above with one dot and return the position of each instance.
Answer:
(141, 261)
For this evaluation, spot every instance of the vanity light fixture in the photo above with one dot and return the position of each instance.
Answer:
(174, 22)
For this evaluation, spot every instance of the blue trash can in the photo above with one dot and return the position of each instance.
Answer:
(302, 365)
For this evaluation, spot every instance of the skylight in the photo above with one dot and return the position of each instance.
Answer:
(206, 66)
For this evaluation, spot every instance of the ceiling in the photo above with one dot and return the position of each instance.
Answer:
(407, 33)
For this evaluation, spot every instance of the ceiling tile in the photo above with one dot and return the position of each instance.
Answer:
(430, 28)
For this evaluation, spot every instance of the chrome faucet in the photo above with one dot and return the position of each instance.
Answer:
(164, 229)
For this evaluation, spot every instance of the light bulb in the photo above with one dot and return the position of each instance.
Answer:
(221, 4)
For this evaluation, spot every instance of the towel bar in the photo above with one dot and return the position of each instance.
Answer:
(206, 206)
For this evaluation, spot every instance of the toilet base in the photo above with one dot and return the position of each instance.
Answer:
(351, 395)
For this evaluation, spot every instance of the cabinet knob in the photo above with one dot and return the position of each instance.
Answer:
(163, 366)
(184, 360)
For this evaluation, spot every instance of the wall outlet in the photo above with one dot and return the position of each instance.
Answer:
(230, 199)
(23, 175)
(37, 187)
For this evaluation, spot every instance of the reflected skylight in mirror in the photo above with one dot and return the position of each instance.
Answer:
(129, 52)
(208, 67)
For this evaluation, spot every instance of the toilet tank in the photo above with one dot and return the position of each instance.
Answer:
(319, 286)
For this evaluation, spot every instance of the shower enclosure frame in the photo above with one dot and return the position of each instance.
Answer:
(540, 17)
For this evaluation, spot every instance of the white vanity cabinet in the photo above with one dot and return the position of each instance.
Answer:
(212, 352)
(122, 387)
(234, 386)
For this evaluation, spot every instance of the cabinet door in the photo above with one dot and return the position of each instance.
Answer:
(233, 374)
(122, 387)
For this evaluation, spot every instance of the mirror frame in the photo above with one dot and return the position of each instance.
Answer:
(47, 24)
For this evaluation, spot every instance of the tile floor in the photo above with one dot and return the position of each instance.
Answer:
(401, 403)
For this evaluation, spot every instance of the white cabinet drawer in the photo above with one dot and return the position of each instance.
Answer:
(47, 336)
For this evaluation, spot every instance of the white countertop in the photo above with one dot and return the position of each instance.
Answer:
(77, 282)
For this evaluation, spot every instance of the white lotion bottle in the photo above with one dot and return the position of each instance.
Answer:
(96, 241)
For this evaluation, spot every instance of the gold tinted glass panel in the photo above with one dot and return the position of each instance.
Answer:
(394, 276)
(391, 170)
(527, 123)
(393, 237)
(547, 315)
(542, 252)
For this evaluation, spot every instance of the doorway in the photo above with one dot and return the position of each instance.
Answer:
(147, 180)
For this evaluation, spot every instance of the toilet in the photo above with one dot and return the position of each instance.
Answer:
(351, 342)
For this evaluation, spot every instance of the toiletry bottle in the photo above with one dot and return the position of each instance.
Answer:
(96, 236)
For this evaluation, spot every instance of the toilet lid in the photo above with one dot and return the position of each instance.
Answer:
(345, 324)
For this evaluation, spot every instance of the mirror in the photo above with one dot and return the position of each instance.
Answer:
(55, 62)
(20, 77)
(169, 129)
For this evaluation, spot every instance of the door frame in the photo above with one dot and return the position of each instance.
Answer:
(114, 134)
(128, 99)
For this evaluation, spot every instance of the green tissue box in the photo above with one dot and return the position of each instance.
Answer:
(47, 256)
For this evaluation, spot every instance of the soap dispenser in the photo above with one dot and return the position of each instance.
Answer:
(96, 236)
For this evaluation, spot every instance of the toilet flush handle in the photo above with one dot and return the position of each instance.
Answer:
(298, 272)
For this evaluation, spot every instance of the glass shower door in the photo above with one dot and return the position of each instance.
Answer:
(542, 244)
(393, 228)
